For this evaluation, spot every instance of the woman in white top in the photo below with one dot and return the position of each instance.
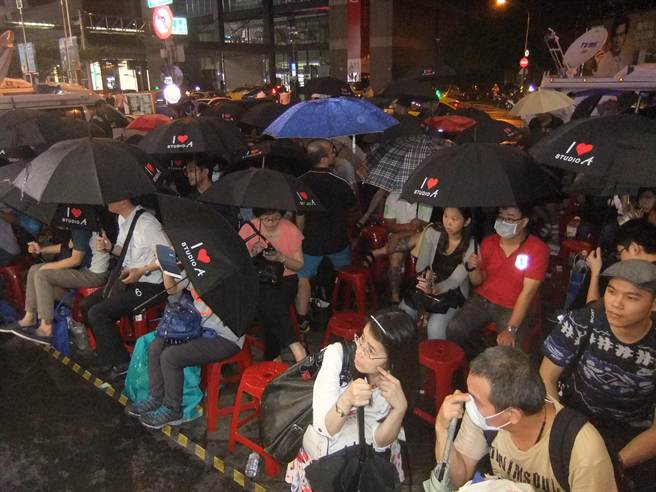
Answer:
(386, 360)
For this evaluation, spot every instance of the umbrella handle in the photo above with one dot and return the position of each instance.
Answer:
(441, 471)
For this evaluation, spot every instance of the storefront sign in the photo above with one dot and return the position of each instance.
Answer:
(180, 26)
(156, 3)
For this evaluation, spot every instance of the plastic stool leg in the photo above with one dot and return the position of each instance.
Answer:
(212, 399)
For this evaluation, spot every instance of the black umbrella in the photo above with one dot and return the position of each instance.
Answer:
(262, 115)
(618, 146)
(263, 188)
(328, 86)
(68, 216)
(586, 107)
(602, 186)
(39, 129)
(215, 258)
(87, 171)
(227, 110)
(472, 113)
(488, 131)
(195, 135)
(478, 175)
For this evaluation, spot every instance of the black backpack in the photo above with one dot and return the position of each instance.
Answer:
(566, 426)
(286, 406)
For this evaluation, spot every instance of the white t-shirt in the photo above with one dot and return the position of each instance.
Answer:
(316, 441)
(147, 233)
(8, 240)
(404, 212)
(99, 259)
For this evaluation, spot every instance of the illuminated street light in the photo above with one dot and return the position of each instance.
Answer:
(503, 3)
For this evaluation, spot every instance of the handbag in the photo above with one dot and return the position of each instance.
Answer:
(180, 321)
(114, 285)
(355, 468)
(436, 304)
(268, 272)
(286, 405)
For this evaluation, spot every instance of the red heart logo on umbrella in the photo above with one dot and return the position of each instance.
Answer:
(183, 138)
(303, 195)
(76, 212)
(203, 257)
(583, 148)
(432, 183)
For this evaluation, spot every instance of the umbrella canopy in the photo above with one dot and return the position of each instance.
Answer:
(488, 131)
(87, 171)
(194, 135)
(618, 146)
(332, 117)
(478, 175)
(451, 123)
(263, 188)
(602, 186)
(263, 114)
(40, 129)
(408, 125)
(328, 86)
(541, 101)
(148, 122)
(473, 113)
(215, 259)
(392, 163)
(227, 110)
(67, 216)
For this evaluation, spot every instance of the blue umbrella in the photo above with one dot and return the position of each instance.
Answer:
(328, 118)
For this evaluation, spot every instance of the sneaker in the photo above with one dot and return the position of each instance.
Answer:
(138, 408)
(160, 417)
(29, 333)
(118, 371)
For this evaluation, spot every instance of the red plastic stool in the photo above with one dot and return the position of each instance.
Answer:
(212, 381)
(356, 280)
(570, 248)
(253, 381)
(11, 274)
(133, 326)
(344, 325)
(443, 358)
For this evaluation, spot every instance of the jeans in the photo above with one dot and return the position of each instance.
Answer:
(437, 322)
(101, 316)
(167, 362)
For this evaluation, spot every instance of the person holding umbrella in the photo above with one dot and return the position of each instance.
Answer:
(140, 279)
(271, 229)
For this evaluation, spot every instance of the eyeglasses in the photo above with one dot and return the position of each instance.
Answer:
(360, 343)
(272, 219)
(620, 250)
(509, 219)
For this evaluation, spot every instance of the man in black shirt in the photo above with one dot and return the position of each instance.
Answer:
(199, 174)
(325, 232)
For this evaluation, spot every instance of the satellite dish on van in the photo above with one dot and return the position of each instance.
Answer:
(585, 47)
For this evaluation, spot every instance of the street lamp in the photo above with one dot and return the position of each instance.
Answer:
(503, 3)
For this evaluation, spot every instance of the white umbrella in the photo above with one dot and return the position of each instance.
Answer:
(541, 101)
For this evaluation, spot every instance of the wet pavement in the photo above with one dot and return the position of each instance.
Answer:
(60, 433)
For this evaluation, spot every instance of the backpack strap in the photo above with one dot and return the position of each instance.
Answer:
(566, 426)
(348, 352)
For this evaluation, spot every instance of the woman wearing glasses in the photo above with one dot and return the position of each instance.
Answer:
(386, 364)
(269, 228)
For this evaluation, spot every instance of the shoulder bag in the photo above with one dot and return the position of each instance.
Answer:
(268, 272)
(114, 284)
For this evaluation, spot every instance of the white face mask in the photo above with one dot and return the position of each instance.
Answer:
(505, 229)
(478, 419)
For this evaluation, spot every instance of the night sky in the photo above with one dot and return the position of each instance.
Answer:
(483, 42)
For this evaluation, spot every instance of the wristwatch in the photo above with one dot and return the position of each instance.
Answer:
(513, 330)
(339, 411)
(146, 271)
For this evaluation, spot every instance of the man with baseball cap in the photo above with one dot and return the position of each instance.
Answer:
(604, 355)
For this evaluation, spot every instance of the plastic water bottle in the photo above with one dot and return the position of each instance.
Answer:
(79, 333)
(252, 465)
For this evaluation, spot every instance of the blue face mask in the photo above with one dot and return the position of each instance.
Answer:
(478, 419)
(505, 229)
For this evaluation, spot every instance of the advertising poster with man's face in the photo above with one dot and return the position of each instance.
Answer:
(618, 51)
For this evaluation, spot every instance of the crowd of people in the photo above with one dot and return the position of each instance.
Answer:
(474, 267)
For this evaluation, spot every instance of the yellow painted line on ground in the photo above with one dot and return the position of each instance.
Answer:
(181, 439)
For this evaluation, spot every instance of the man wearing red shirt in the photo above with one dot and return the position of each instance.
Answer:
(507, 274)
